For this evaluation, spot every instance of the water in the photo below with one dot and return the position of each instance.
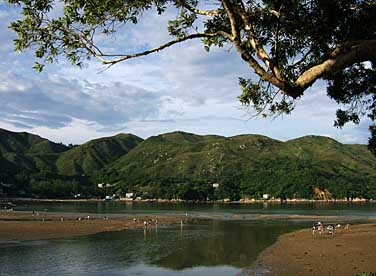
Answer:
(211, 247)
(204, 210)
(226, 245)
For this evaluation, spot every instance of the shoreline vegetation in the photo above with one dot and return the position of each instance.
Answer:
(246, 201)
(347, 252)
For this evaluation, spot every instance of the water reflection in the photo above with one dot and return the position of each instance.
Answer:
(222, 243)
(224, 210)
(210, 248)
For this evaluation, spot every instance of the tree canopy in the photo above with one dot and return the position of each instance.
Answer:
(289, 44)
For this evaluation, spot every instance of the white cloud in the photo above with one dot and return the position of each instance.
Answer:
(56, 101)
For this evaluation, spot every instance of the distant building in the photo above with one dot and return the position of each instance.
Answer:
(108, 198)
(129, 195)
(215, 185)
(265, 196)
(104, 185)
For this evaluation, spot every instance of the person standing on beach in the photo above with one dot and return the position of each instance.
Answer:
(314, 228)
(330, 229)
(320, 228)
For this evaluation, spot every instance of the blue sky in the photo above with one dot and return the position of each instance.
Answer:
(182, 88)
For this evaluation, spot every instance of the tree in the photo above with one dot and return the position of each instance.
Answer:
(289, 44)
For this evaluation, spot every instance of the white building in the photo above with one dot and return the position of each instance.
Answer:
(129, 195)
(103, 185)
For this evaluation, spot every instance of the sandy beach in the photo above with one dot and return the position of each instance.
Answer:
(348, 252)
(26, 226)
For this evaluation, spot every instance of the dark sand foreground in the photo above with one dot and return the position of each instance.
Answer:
(348, 252)
(25, 226)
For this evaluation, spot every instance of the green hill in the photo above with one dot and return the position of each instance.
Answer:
(31, 165)
(185, 165)
(181, 165)
(23, 142)
(94, 155)
(28, 152)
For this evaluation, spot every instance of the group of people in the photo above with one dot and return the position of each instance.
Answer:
(330, 229)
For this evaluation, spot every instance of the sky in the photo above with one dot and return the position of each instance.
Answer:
(181, 88)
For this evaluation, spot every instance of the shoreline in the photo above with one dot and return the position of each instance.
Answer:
(16, 215)
(223, 201)
(348, 252)
(19, 226)
(35, 225)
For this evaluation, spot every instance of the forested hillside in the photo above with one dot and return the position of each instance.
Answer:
(185, 166)
(34, 166)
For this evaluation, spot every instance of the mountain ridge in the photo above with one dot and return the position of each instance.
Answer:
(182, 132)
(180, 165)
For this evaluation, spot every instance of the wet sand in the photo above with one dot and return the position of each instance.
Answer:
(26, 226)
(348, 252)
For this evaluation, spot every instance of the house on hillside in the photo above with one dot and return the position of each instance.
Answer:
(215, 185)
(129, 195)
(104, 185)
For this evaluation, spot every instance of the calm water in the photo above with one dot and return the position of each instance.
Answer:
(226, 245)
(213, 247)
(204, 210)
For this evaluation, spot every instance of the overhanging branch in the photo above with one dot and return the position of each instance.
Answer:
(233, 24)
(157, 49)
(198, 11)
(341, 57)
(254, 42)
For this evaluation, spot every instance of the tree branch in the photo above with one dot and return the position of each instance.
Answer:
(259, 70)
(231, 15)
(159, 48)
(199, 11)
(343, 56)
(261, 53)
(274, 78)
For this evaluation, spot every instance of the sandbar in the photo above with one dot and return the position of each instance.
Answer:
(25, 226)
(347, 252)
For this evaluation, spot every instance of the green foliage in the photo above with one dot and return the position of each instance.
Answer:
(264, 100)
(372, 140)
(366, 274)
(355, 88)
